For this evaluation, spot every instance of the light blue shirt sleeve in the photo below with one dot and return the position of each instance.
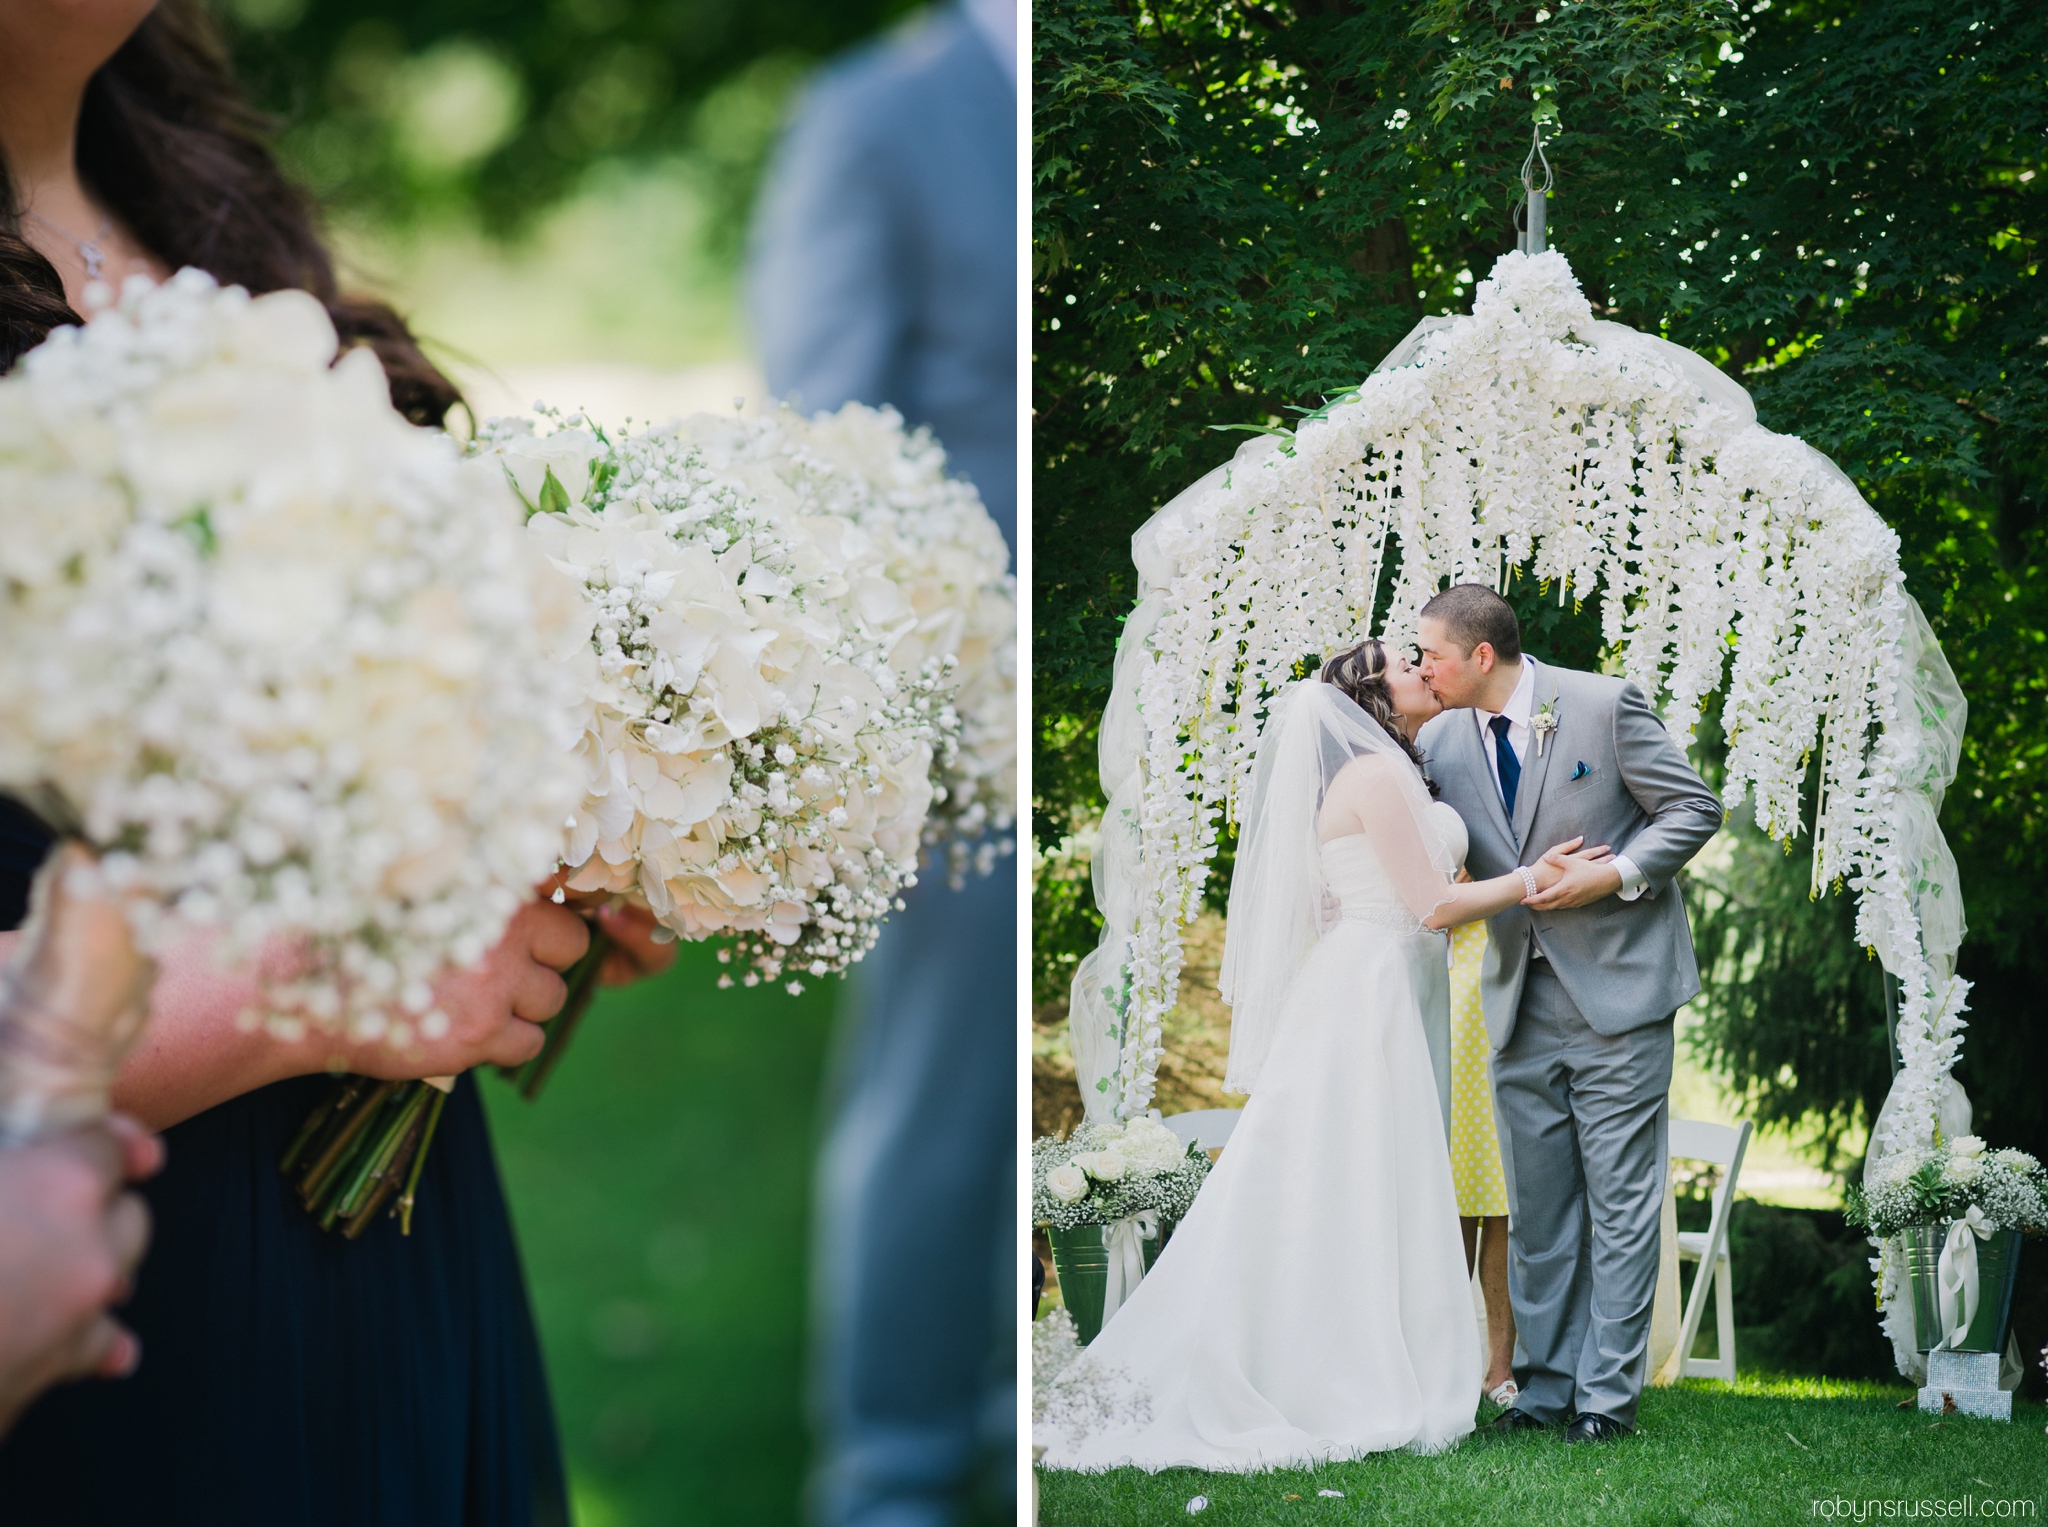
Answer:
(826, 287)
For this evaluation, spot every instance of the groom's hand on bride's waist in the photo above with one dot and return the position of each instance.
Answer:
(1583, 878)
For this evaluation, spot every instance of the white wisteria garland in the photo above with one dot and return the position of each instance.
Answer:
(1530, 436)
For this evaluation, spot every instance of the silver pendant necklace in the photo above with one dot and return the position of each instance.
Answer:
(92, 252)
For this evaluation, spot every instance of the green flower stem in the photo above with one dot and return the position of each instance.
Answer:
(336, 1190)
(353, 1117)
(374, 1164)
(419, 1160)
(383, 1182)
(320, 1119)
(364, 1146)
(366, 1140)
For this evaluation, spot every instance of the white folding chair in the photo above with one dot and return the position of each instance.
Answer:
(1206, 1127)
(1723, 1146)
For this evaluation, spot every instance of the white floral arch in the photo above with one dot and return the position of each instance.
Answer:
(1532, 434)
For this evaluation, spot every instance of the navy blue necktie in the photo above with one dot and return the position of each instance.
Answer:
(1510, 766)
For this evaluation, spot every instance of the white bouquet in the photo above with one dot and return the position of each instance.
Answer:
(948, 557)
(1106, 1172)
(1947, 1180)
(273, 653)
(777, 618)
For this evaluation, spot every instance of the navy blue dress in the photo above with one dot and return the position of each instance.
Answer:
(291, 1378)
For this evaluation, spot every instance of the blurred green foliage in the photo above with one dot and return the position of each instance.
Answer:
(661, 1190)
(1242, 205)
(399, 110)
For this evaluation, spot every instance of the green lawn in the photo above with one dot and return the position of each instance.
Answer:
(1762, 1451)
(660, 1187)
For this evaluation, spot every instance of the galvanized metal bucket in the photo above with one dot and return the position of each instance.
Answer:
(1998, 1270)
(1082, 1262)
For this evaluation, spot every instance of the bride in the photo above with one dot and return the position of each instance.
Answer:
(1314, 1304)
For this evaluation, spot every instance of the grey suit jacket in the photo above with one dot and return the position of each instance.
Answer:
(1624, 964)
(883, 263)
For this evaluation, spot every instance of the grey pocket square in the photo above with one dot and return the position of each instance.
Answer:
(1581, 771)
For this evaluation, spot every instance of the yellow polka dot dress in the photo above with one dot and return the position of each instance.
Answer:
(1475, 1148)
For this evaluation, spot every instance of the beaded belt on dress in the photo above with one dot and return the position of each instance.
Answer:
(1400, 919)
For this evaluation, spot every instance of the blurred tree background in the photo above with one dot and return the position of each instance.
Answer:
(1240, 207)
(543, 180)
(557, 194)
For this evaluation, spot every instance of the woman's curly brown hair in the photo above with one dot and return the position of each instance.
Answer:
(1360, 673)
(169, 142)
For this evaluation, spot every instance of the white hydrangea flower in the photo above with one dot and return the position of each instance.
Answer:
(942, 549)
(769, 720)
(273, 650)
(1150, 1148)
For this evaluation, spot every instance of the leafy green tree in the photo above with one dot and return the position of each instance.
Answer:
(399, 108)
(1241, 206)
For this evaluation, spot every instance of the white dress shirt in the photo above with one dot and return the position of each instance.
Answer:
(1519, 710)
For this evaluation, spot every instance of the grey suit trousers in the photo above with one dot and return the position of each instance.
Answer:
(1587, 1125)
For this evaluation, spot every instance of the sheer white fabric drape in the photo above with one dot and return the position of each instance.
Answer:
(1279, 903)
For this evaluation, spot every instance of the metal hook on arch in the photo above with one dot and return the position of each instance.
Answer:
(1530, 220)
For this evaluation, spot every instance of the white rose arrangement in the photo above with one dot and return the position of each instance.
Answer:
(1150, 1147)
(1938, 1183)
(1101, 1166)
(1103, 1173)
(272, 653)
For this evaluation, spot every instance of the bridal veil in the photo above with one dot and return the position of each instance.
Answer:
(1279, 904)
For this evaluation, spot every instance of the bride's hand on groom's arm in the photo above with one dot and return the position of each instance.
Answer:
(1570, 876)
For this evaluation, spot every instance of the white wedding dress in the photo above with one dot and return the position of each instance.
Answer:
(1314, 1304)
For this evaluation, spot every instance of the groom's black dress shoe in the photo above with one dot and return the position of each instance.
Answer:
(1587, 1427)
(1510, 1421)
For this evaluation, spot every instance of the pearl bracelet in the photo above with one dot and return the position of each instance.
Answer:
(1528, 880)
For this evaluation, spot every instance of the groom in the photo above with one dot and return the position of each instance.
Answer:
(1580, 987)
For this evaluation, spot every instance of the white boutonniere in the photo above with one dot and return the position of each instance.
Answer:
(1543, 723)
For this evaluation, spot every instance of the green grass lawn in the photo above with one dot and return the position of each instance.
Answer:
(660, 1187)
(1762, 1451)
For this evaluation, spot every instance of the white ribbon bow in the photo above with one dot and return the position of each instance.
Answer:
(1955, 1276)
(1125, 1242)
